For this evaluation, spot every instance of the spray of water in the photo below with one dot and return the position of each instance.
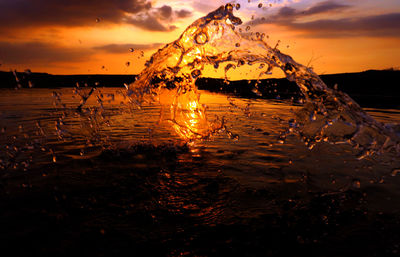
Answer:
(328, 115)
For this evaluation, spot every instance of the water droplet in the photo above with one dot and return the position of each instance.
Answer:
(313, 116)
(25, 185)
(196, 73)
(237, 6)
(235, 21)
(97, 20)
(127, 64)
(237, 44)
(201, 38)
(356, 183)
(260, 5)
(131, 50)
(229, 66)
(229, 7)
(395, 172)
(247, 28)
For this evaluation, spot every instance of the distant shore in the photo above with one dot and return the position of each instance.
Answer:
(372, 88)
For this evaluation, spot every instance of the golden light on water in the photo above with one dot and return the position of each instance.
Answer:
(189, 118)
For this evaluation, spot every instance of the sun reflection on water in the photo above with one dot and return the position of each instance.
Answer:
(189, 117)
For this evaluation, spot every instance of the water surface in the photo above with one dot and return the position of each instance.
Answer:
(112, 180)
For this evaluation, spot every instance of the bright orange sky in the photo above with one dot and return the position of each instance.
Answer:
(94, 36)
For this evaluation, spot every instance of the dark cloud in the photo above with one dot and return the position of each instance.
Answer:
(377, 25)
(158, 19)
(149, 22)
(286, 12)
(36, 13)
(124, 48)
(40, 53)
(165, 11)
(324, 7)
(183, 13)
(67, 13)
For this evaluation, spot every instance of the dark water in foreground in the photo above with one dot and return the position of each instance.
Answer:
(115, 183)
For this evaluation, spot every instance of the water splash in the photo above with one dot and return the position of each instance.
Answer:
(328, 115)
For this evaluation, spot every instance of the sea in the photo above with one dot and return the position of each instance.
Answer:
(119, 182)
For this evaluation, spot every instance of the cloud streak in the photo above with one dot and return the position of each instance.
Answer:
(40, 53)
(124, 48)
(374, 25)
(77, 13)
(45, 53)
(288, 13)
(325, 7)
(67, 13)
(149, 22)
(378, 25)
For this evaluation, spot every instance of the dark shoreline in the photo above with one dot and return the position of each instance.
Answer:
(372, 88)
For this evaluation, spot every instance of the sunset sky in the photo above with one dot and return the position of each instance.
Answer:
(94, 36)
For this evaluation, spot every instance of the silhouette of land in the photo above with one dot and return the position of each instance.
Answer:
(372, 88)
